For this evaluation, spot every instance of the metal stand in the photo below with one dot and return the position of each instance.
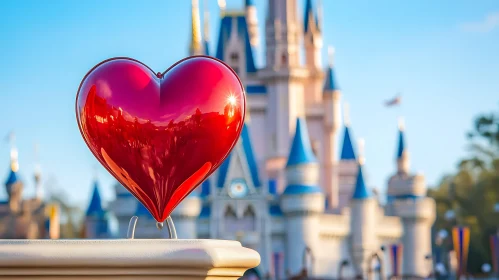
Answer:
(169, 223)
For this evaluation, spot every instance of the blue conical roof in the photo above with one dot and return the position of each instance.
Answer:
(347, 152)
(95, 206)
(401, 144)
(12, 178)
(301, 150)
(249, 3)
(309, 15)
(361, 191)
(330, 84)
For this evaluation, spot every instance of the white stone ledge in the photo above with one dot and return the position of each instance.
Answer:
(125, 259)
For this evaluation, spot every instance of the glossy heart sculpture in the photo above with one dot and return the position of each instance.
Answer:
(161, 135)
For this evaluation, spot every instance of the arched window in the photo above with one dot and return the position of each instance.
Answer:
(308, 261)
(248, 222)
(230, 220)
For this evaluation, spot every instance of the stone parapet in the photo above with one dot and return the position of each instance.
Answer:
(125, 259)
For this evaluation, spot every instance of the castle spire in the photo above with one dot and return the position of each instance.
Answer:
(206, 28)
(252, 21)
(330, 85)
(195, 47)
(361, 191)
(346, 114)
(95, 205)
(38, 175)
(360, 148)
(222, 5)
(347, 151)
(14, 164)
(301, 150)
(310, 22)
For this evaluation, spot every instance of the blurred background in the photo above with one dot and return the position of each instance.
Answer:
(434, 63)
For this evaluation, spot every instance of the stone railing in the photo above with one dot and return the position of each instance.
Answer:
(125, 259)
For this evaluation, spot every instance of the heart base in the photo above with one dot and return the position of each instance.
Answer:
(191, 259)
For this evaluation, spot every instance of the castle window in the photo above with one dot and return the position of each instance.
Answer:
(248, 223)
(284, 59)
(234, 56)
(230, 220)
(316, 148)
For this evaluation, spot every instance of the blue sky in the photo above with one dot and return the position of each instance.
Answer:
(442, 55)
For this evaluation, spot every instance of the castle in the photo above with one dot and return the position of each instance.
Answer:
(26, 218)
(284, 191)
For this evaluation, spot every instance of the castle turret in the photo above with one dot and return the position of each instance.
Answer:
(302, 201)
(402, 184)
(252, 20)
(347, 165)
(185, 215)
(362, 224)
(331, 101)
(195, 46)
(96, 218)
(407, 199)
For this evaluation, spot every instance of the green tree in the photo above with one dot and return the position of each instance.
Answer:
(472, 193)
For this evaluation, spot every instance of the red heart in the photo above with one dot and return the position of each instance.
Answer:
(161, 135)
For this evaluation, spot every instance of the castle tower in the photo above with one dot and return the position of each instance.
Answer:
(285, 79)
(282, 34)
(407, 199)
(252, 20)
(185, 214)
(302, 201)
(195, 46)
(347, 165)
(96, 218)
(331, 101)
(363, 241)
